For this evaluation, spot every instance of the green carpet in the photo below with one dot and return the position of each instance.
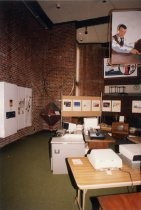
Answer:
(27, 183)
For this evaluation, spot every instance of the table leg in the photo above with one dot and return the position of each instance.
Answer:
(84, 199)
(81, 198)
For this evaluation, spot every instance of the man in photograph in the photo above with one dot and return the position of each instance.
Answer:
(124, 52)
(120, 44)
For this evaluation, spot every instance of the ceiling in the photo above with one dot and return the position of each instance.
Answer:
(91, 16)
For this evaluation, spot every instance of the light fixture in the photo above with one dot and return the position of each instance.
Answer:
(86, 30)
(58, 5)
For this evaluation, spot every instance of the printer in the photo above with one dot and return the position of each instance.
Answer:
(132, 152)
(104, 159)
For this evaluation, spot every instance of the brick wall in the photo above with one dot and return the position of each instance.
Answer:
(91, 69)
(34, 57)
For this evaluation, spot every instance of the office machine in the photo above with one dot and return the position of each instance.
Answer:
(90, 123)
(104, 159)
(131, 151)
(96, 134)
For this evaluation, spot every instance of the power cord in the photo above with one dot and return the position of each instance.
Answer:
(128, 172)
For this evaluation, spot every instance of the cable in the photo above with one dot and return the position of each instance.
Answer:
(128, 172)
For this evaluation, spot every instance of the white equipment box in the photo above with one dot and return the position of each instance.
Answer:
(69, 145)
(131, 152)
(104, 159)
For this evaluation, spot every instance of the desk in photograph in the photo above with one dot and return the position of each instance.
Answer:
(86, 177)
(99, 143)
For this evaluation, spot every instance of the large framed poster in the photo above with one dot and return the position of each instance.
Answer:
(126, 37)
(127, 70)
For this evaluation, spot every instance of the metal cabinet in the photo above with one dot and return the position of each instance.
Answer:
(69, 145)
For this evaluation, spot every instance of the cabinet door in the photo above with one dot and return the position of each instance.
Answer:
(74, 150)
(62, 151)
(8, 109)
(58, 159)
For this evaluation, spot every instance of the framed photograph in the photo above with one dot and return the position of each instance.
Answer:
(67, 105)
(111, 71)
(126, 37)
(86, 105)
(96, 105)
(106, 105)
(76, 105)
(116, 106)
(136, 106)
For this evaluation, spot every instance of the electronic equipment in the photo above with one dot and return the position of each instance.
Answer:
(131, 152)
(90, 123)
(96, 134)
(102, 159)
(60, 132)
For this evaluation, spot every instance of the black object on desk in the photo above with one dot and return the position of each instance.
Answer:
(96, 134)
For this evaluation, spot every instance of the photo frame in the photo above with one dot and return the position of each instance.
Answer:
(126, 37)
(86, 105)
(76, 105)
(116, 106)
(106, 105)
(111, 71)
(136, 106)
(96, 105)
(67, 105)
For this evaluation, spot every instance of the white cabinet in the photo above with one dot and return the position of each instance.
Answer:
(8, 109)
(15, 108)
(69, 145)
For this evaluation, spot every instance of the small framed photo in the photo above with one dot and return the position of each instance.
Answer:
(96, 105)
(76, 105)
(67, 105)
(136, 106)
(106, 105)
(116, 106)
(86, 105)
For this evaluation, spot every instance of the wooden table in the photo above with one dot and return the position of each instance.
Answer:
(99, 143)
(86, 177)
(130, 201)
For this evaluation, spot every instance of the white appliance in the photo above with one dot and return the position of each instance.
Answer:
(131, 152)
(8, 109)
(104, 159)
(90, 123)
(69, 145)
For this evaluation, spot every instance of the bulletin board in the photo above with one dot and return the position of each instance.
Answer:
(81, 106)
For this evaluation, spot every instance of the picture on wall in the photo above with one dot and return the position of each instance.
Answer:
(126, 37)
(116, 106)
(111, 71)
(76, 105)
(96, 105)
(67, 105)
(136, 106)
(106, 105)
(86, 105)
